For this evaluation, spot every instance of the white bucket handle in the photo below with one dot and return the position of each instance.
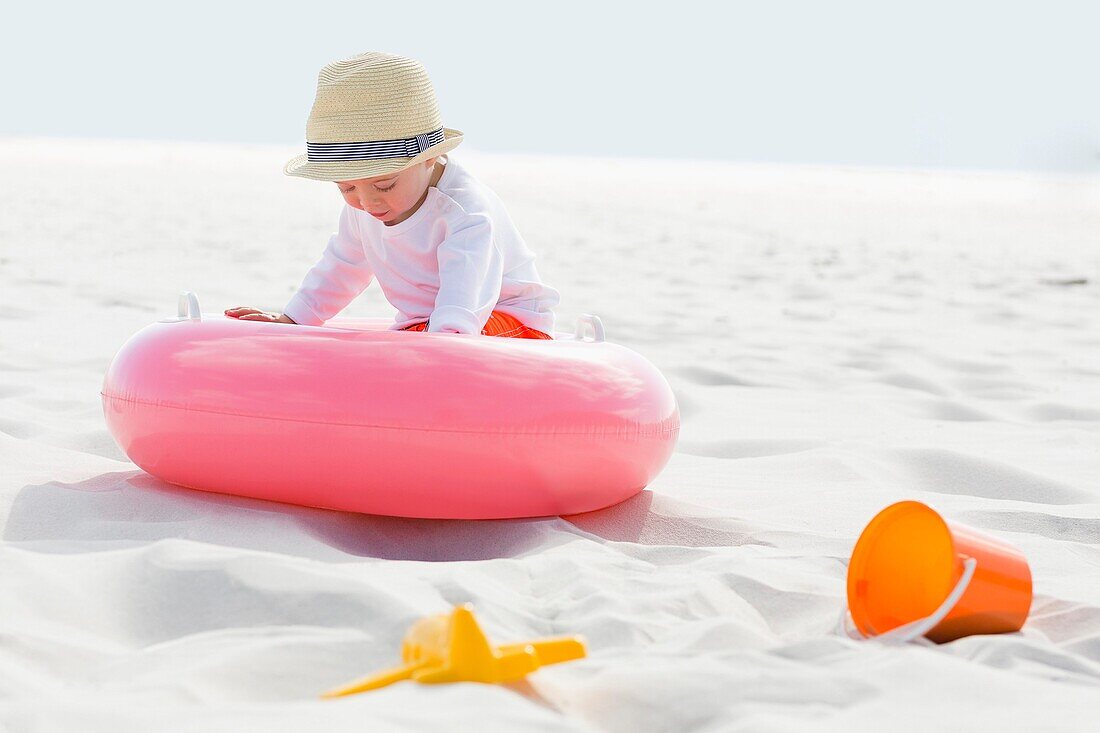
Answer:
(594, 322)
(188, 306)
(920, 627)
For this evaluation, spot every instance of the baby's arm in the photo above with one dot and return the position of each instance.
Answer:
(339, 276)
(471, 268)
(245, 313)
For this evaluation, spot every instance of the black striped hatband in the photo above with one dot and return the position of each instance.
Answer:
(376, 150)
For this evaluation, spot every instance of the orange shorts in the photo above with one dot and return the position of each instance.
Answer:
(499, 324)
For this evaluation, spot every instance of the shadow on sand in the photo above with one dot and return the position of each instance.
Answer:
(120, 509)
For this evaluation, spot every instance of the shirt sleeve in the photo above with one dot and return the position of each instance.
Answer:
(339, 276)
(471, 268)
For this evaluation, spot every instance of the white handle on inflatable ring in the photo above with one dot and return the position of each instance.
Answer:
(920, 627)
(587, 319)
(188, 306)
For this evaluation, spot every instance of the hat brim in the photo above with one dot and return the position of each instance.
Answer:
(352, 170)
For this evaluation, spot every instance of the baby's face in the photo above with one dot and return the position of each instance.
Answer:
(390, 198)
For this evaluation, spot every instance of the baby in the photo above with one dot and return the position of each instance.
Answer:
(439, 242)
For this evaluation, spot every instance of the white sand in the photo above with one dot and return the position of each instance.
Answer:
(838, 340)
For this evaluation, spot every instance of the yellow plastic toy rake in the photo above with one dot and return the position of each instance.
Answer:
(453, 648)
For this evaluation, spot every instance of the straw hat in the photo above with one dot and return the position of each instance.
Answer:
(375, 113)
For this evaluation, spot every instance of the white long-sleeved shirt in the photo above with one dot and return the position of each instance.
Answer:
(452, 263)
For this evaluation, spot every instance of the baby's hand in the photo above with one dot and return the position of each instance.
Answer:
(251, 314)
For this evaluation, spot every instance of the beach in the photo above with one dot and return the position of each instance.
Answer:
(838, 339)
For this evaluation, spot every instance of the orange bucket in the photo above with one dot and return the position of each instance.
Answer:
(914, 573)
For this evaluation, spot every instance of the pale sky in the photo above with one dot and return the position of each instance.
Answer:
(1002, 85)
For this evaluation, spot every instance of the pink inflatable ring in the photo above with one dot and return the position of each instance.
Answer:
(356, 417)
